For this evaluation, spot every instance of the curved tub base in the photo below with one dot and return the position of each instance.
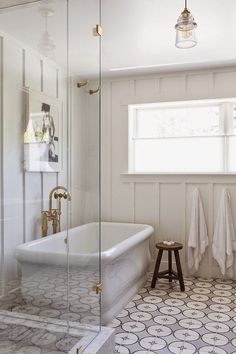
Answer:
(109, 314)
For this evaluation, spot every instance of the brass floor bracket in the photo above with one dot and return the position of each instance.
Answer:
(97, 287)
(79, 350)
(97, 31)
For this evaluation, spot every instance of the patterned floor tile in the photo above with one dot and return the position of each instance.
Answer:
(164, 320)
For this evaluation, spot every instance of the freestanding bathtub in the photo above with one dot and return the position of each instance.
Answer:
(125, 258)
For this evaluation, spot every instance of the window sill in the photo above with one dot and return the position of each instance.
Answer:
(130, 174)
(213, 177)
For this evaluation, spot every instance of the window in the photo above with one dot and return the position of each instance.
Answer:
(183, 137)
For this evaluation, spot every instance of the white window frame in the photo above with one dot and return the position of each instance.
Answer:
(226, 125)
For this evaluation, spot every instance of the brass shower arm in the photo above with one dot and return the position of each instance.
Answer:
(82, 83)
(92, 92)
(85, 83)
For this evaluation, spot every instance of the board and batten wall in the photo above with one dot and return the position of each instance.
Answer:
(23, 194)
(163, 201)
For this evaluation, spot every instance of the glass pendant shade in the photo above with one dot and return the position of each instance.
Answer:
(46, 45)
(185, 30)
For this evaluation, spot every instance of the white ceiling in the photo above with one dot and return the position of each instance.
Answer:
(136, 33)
(8, 3)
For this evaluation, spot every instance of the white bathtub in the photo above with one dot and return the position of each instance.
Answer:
(125, 259)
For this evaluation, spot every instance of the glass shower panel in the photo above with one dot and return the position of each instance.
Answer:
(42, 281)
(85, 234)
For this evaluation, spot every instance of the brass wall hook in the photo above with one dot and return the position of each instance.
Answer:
(92, 92)
(82, 83)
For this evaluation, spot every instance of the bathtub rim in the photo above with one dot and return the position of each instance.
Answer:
(25, 254)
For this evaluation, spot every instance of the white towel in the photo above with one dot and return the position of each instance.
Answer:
(198, 238)
(224, 236)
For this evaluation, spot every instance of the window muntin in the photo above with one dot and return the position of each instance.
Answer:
(183, 138)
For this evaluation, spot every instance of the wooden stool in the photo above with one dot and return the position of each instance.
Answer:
(170, 273)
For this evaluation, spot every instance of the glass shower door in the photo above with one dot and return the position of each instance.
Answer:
(85, 234)
(48, 292)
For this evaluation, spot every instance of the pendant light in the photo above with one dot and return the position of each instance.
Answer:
(46, 45)
(185, 30)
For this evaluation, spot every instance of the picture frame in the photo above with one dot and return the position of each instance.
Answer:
(43, 133)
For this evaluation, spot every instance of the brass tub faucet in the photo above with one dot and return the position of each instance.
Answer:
(54, 215)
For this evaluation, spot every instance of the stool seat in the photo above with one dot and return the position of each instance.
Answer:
(174, 246)
(170, 273)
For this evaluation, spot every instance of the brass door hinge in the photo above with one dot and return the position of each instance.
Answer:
(79, 350)
(97, 31)
(97, 287)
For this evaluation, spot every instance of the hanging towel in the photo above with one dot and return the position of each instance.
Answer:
(224, 241)
(198, 238)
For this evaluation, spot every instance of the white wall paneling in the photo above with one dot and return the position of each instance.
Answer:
(25, 193)
(163, 201)
(1, 172)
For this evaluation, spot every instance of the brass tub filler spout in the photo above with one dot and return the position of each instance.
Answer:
(54, 215)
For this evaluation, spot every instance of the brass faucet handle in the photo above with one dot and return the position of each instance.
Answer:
(64, 195)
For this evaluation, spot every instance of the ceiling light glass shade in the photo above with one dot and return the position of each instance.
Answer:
(46, 45)
(185, 30)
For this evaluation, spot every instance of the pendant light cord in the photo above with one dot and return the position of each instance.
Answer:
(46, 22)
(185, 4)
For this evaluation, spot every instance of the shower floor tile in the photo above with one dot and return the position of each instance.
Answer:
(45, 294)
(164, 320)
(26, 335)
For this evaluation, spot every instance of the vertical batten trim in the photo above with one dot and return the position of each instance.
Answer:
(57, 83)
(41, 187)
(111, 154)
(135, 88)
(160, 86)
(23, 157)
(133, 191)
(185, 226)
(2, 158)
(157, 85)
(186, 84)
(41, 173)
(157, 209)
(41, 76)
(211, 82)
(211, 227)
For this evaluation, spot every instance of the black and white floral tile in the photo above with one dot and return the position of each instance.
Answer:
(164, 320)
(44, 297)
(45, 294)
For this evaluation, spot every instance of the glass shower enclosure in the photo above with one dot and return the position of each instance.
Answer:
(50, 182)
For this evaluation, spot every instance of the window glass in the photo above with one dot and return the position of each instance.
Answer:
(192, 137)
(181, 155)
(171, 122)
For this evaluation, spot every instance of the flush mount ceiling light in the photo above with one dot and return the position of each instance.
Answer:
(46, 45)
(186, 30)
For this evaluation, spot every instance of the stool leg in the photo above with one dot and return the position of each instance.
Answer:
(179, 270)
(170, 265)
(157, 266)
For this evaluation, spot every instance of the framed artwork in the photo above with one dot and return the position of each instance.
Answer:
(43, 133)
